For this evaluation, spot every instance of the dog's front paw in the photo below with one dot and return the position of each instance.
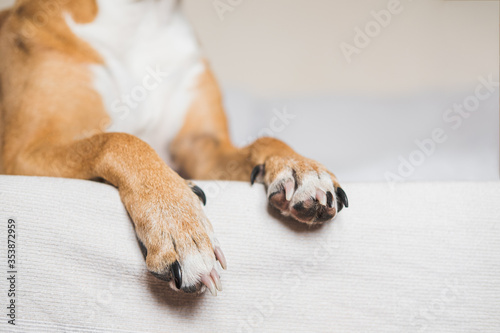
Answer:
(301, 188)
(177, 239)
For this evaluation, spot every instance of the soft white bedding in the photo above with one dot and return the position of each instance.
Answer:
(419, 257)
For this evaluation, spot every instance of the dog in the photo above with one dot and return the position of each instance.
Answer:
(119, 91)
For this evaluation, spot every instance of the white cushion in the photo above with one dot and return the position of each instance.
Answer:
(417, 257)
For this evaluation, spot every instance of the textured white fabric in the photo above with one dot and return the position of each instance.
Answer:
(419, 257)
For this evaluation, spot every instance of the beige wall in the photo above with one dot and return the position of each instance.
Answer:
(293, 46)
(283, 47)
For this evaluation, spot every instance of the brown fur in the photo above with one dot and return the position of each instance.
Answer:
(52, 123)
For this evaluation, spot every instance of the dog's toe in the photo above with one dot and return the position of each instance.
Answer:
(302, 189)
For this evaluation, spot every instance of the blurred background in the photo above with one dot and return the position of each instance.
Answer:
(363, 85)
(376, 90)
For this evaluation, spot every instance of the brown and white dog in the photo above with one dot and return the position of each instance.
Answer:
(118, 90)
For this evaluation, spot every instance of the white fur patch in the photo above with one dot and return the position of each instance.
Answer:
(152, 61)
(281, 179)
(194, 266)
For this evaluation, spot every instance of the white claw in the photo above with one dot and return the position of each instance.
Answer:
(216, 279)
(289, 188)
(220, 256)
(207, 281)
(321, 196)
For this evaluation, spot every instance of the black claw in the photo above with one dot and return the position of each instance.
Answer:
(177, 274)
(199, 192)
(329, 199)
(143, 248)
(255, 173)
(342, 197)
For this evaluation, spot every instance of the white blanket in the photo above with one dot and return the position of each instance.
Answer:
(419, 257)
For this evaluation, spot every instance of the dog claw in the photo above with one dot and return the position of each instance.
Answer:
(177, 274)
(321, 197)
(216, 278)
(220, 256)
(207, 281)
(256, 172)
(289, 189)
(342, 197)
(199, 192)
(329, 199)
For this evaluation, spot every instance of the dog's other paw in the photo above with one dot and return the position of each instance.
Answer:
(177, 239)
(301, 188)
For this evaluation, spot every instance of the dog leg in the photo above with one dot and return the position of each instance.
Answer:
(168, 217)
(296, 186)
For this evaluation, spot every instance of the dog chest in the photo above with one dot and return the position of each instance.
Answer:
(151, 64)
